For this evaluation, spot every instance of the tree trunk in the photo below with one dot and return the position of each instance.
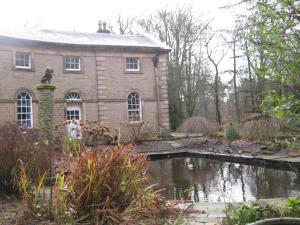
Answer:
(236, 97)
(218, 114)
(250, 78)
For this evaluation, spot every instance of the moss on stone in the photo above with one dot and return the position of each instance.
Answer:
(46, 86)
(46, 120)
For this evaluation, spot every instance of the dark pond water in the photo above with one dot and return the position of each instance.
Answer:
(202, 180)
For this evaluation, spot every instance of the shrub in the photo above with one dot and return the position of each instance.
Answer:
(293, 207)
(248, 213)
(95, 133)
(105, 187)
(24, 144)
(92, 133)
(230, 133)
(245, 214)
(198, 125)
(137, 132)
(260, 127)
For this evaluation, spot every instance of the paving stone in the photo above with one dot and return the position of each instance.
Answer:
(269, 156)
(206, 219)
(175, 144)
(291, 159)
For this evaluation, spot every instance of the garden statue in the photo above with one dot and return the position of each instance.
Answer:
(46, 79)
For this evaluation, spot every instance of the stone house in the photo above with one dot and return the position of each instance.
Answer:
(99, 76)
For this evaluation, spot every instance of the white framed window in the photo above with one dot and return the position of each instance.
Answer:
(134, 107)
(23, 60)
(132, 64)
(24, 110)
(73, 112)
(72, 63)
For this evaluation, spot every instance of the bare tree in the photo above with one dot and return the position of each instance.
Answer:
(183, 32)
(215, 57)
(233, 39)
(123, 25)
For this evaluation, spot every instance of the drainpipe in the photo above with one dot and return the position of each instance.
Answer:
(155, 61)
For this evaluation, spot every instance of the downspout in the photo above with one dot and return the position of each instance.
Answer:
(98, 83)
(155, 61)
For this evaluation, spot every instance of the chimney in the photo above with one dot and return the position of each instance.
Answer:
(102, 27)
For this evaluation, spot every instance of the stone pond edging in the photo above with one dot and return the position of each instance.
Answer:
(277, 221)
(273, 161)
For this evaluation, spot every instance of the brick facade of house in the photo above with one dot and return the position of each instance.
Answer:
(103, 83)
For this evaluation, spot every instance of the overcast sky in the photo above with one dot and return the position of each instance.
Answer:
(82, 15)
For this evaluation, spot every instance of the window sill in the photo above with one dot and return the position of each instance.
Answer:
(74, 71)
(135, 122)
(132, 72)
(23, 69)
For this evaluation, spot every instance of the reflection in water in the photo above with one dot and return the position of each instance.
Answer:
(209, 180)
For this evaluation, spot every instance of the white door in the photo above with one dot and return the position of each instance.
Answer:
(73, 116)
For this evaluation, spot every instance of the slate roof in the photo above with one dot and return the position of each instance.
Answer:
(83, 39)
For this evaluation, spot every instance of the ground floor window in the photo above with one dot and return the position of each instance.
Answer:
(73, 113)
(24, 110)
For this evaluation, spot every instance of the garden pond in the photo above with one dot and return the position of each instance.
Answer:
(203, 180)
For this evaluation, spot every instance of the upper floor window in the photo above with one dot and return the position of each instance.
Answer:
(132, 64)
(23, 60)
(134, 107)
(72, 63)
(24, 109)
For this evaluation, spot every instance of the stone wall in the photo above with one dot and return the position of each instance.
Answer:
(103, 83)
(115, 83)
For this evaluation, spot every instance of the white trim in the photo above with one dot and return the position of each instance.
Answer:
(75, 107)
(21, 106)
(139, 110)
(74, 57)
(29, 60)
(74, 129)
(138, 64)
(73, 97)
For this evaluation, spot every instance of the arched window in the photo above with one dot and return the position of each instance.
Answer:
(73, 97)
(134, 107)
(73, 110)
(24, 109)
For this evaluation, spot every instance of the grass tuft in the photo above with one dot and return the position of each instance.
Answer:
(198, 125)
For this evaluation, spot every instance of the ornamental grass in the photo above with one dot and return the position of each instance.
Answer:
(197, 124)
(260, 127)
(106, 186)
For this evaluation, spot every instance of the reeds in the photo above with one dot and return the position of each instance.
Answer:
(138, 131)
(260, 127)
(197, 125)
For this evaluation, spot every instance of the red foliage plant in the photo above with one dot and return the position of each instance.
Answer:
(21, 144)
(106, 186)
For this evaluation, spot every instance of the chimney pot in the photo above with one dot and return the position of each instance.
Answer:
(100, 29)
